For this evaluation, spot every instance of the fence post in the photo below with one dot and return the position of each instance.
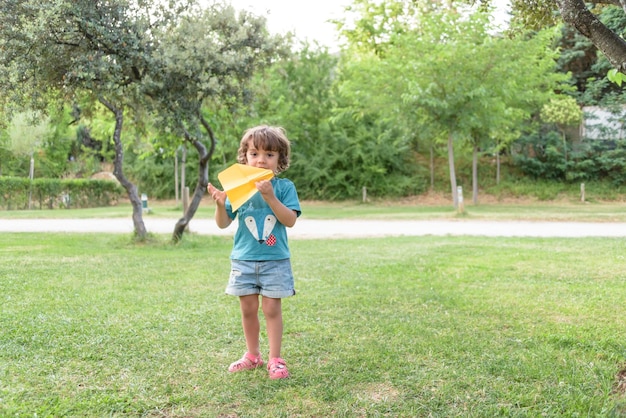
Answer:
(144, 203)
(461, 206)
(582, 192)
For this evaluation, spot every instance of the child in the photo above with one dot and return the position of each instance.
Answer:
(260, 263)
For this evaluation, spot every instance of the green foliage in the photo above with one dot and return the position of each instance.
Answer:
(456, 82)
(27, 132)
(153, 173)
(54, 193)
(616, 77)
(541, 156)
(587, 67)
(411, 73)
(562, 110)
(602, 160)
(206, 59)
(370, 155)
(337, 146)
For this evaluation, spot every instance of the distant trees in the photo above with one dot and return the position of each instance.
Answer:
(416, 83)
(134, 59)
(448, 72)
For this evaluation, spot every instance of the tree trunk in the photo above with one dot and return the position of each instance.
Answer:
(576, 14)
(475, 176)
(432, 167)
(498, 167)
(176, 174)
(183, 170)
(455, 196)
(564, 137)
(118, 171)
(203, 180)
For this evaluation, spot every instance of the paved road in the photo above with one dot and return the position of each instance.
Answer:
(310, 228)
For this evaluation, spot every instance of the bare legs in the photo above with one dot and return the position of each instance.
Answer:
(272, 310)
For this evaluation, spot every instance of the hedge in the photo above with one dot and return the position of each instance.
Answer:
(57, 194)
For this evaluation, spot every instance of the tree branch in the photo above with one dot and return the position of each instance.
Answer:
(576, 14)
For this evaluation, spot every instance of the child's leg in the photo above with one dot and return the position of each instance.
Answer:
(250, 322)
(272, 309)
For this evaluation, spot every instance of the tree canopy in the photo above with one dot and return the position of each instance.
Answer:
(144, 79)
(132, 57)
(579, 14)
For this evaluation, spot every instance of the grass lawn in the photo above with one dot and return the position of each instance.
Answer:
(94, 325)
(562, 210)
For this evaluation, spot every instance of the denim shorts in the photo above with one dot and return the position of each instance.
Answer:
(273, 279)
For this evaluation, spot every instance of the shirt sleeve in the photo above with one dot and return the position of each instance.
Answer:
(288, 195)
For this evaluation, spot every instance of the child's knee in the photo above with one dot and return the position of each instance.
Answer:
(271, 307)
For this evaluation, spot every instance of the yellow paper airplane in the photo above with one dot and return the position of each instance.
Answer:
(239, 180)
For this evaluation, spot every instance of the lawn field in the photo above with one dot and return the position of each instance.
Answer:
(433, 209)
(97, 325)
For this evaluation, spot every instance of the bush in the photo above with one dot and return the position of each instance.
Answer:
(54, 194)
(541, 156)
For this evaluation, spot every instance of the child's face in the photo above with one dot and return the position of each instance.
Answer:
(261, 158)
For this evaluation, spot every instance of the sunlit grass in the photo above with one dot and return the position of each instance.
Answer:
(94, 325)
(530, 210)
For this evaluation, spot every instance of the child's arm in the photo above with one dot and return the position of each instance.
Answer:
(221, 217)
(284, 215)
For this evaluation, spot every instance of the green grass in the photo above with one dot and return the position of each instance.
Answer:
(93, 325)
(551, 211)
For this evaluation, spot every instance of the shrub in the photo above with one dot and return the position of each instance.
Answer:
(54, 193)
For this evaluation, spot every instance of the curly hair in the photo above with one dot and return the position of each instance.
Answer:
(268, 138)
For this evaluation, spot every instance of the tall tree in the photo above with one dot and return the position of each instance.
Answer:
(563, 111)
(68, 50)
(27, 133)
(452, 74)
(122, 52)
(201, 63)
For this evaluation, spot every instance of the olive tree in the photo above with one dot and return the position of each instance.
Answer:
(134, 57)
(202, 62)
(82, 51)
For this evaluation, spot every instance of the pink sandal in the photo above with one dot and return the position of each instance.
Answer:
(277, 368)
(247, 362)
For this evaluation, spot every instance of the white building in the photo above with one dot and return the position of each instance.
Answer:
(602, 123)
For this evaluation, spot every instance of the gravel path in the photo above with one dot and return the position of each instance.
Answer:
(313, 228)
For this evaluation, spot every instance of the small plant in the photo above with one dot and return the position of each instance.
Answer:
(616, 76)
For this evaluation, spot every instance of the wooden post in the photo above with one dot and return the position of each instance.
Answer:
(364, 191)
(582, 192)
(144, 203)
(31, 175)
(460, 207)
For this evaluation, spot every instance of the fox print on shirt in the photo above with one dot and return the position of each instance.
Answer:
(268, 226)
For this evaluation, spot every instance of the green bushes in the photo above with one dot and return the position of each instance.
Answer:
(542, 157)
(53, 193)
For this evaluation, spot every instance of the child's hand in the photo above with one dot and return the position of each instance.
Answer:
(265, 188)
(218, 196)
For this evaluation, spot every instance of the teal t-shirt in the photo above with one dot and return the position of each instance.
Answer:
(260, 236)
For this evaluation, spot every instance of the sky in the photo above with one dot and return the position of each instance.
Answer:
(308, 19)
